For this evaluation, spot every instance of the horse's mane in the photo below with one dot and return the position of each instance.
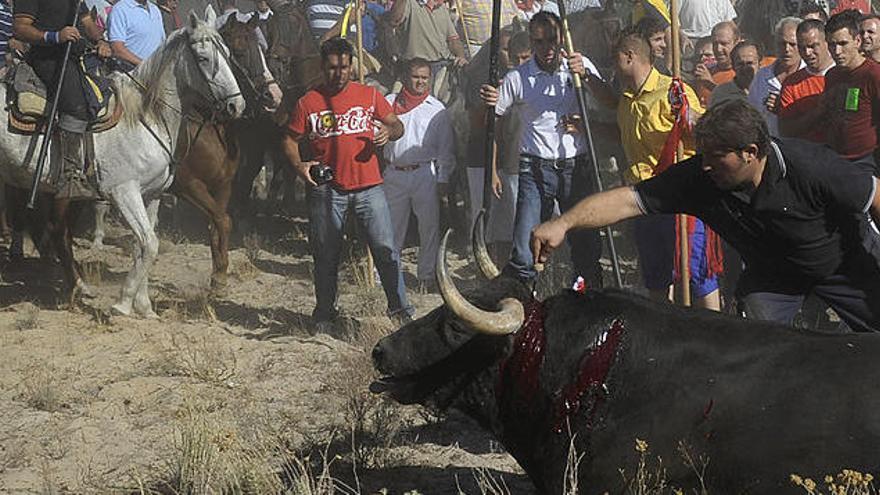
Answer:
(144, 99)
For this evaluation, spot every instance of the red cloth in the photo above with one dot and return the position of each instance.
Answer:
(680, 108)
(863, 6)
(340, 131)
(406, 101)
(852, 133)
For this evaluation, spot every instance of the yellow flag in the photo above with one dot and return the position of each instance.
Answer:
(655, 8)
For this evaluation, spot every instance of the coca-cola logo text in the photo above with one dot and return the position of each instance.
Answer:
(356, 120)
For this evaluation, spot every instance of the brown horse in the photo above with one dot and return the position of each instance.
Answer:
(294, 59)
(205, 176)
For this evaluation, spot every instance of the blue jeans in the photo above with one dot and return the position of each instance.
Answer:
(543, 182)
(853, 292)
(328, 211)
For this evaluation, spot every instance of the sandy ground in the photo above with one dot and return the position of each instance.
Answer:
(93, 403)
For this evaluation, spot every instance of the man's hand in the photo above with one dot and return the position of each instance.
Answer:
(702, 73)
(68, 33)
(547, 237)
(104, 50)
(497, 186)
(772, 102)
(460, 62)
(380, 134)
(576, 64)
(489, 95)
(302, 169)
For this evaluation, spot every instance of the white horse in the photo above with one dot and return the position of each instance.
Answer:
(189, 71)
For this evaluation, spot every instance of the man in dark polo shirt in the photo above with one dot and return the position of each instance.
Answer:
(796, 211)
(852, 93)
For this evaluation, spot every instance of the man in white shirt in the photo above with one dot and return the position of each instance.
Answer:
(554, 155)
(419, 165)
(698, 17)
(765, 88)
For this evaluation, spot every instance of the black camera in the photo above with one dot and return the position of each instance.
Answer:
(321, 174)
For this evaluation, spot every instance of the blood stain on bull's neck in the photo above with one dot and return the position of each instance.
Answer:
(595, 365)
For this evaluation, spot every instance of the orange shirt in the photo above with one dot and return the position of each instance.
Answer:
(721, 76)
(801, 92)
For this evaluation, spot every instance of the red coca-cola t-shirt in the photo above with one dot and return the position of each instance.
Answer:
(340, 131)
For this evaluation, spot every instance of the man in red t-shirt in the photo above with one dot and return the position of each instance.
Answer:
(800, 108)
(852, 93)
(344, 122)
(725, 36)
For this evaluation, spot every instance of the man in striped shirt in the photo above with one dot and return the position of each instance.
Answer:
(5, 32)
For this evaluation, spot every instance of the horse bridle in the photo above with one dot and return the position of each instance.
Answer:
(218, 103)
(259, 90)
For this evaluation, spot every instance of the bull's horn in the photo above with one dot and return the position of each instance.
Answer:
(503, 322)
(478, 244)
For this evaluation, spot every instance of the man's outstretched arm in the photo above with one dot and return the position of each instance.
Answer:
(594, 211)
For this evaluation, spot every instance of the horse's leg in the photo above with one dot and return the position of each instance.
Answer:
(101, 209)
(63, 214)
(127, 198)
(142, 304)
(219, 223)
(16, 210)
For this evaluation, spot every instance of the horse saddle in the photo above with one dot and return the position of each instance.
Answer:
(28, 107)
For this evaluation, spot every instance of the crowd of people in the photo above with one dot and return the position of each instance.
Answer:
(779, 141)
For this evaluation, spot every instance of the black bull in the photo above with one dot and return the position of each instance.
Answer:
(762, 401)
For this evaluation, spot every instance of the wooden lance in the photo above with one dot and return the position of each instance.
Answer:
(490, 149)
(582, 103)
(684, 258)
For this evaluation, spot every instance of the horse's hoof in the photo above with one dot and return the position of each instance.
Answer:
(84, 290)
(121, 309)
(149, 314)
(98, 244)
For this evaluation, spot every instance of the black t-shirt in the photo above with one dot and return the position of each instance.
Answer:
(803, 222)
(50, 15)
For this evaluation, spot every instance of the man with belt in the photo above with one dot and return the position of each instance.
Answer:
(554, 154)
(47, 25)
(344, 122)
(419, 165)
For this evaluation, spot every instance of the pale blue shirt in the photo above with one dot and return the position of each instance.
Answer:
(137, 26)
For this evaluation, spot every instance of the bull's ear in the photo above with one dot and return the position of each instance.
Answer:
(211, 15)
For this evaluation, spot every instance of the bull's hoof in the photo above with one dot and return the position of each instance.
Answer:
(98, 243)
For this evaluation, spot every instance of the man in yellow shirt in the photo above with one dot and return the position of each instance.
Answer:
(645, 118)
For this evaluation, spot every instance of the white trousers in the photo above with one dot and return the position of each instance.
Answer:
(415, 191)
(502, 212)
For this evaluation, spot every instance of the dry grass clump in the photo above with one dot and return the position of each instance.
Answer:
(252, 246)
(373, 421)
(847, 482)
(210, 457)
(197, 357)
(650, 475)
(40, 389)
(27, 317)
(191, 303)
(487, 483)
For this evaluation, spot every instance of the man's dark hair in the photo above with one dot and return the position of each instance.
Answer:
(809, 25)
(869, 16)
(734, 54)
(416, 63)
(732, 126)
(649, 26)
(227, 3)
(547, 20)
(518, 43)
(630, 40)
(849, 19)
(811, 7)
(336, 46)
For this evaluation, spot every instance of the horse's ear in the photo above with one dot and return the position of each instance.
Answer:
(193, 22)
(254, 21)
(211, 15)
